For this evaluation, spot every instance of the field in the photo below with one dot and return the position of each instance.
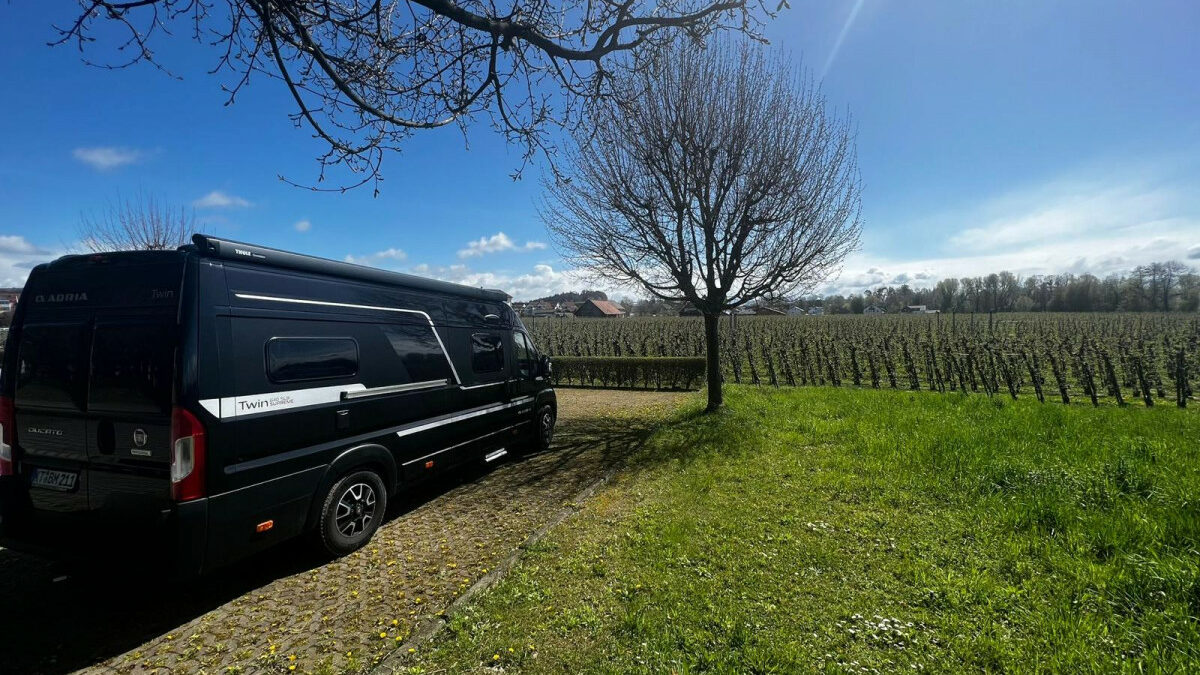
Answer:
(853, 530)
(1100, 358)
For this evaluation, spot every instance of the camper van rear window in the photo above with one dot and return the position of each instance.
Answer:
(301, 359)
(487, 353)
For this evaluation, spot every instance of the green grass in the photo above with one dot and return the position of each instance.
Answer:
(866, 531)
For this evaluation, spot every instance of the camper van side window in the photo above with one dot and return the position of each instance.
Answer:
(299, 359)
(524, 355)
(487, 353)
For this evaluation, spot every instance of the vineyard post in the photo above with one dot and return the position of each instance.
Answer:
(1181, 380)
(1147, 396)
(1114, 385)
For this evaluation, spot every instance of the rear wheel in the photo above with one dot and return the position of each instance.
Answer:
(351, 512)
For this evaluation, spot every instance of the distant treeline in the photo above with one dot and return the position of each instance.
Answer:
(1158, 287)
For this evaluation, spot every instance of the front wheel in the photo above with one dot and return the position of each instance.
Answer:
(544, 428)
(353, 509)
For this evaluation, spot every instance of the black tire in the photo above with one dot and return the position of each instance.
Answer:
(351, 512)
(543, 428)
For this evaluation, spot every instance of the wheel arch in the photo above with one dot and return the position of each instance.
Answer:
(546, 396)
(365, 456)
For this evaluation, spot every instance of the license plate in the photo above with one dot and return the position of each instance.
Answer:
(63, 481)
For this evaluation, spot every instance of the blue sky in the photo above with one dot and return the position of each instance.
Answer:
(1027, 135)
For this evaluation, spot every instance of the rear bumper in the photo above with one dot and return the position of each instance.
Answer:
(174, 537)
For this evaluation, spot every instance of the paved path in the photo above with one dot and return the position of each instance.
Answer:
(288, 608)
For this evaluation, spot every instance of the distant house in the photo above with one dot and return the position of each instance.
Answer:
(565, 308)
(768, 311)
(539, 308)
(874, 309)
(914, 309)
(689, 310)
(796, 311)
(600, 309)
(816, 311)
(8, 298)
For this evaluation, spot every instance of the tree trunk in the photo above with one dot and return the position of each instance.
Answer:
(712, 345)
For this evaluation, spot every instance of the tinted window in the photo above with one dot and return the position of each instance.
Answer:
(419, 352)
(132, 366)
(297, 359)
(52, 365)
(524, 355)
(487, 353)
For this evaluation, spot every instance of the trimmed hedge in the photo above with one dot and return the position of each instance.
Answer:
(630, 372)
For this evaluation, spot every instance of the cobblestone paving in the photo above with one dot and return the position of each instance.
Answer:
(289, 611)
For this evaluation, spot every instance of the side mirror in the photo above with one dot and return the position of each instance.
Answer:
(544, 367)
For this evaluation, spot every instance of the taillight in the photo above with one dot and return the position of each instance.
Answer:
(187, 456)
(7, 435)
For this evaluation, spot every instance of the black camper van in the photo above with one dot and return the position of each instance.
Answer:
(208, 402)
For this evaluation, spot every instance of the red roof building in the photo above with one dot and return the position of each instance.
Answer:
(601, 309)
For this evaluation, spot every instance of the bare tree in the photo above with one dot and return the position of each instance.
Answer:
(140, 223)
(365, 74)
(1169, 274)
(717, 178)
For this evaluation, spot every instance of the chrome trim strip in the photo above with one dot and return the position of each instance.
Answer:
(393, 389)
(324, 303)
(495, 454)
(479, 386)
(463, 416)
(459, 445)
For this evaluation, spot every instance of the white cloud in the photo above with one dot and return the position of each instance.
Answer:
(16, 244)
(103, 158)
(539, 282)
(1078, 211)
(220, 200)
(302, 226)
(1097, 221)
(385, 258)
(495, 244)
(18, 256)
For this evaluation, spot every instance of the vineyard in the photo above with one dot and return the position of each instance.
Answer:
(1118, 359)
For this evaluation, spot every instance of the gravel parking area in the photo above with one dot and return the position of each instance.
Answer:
(289, 611)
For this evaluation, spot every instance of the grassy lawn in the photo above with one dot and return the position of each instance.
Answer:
(866, 531)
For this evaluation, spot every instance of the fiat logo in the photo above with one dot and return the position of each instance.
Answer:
(139, 437)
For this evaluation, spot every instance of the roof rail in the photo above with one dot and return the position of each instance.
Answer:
(214, 247)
